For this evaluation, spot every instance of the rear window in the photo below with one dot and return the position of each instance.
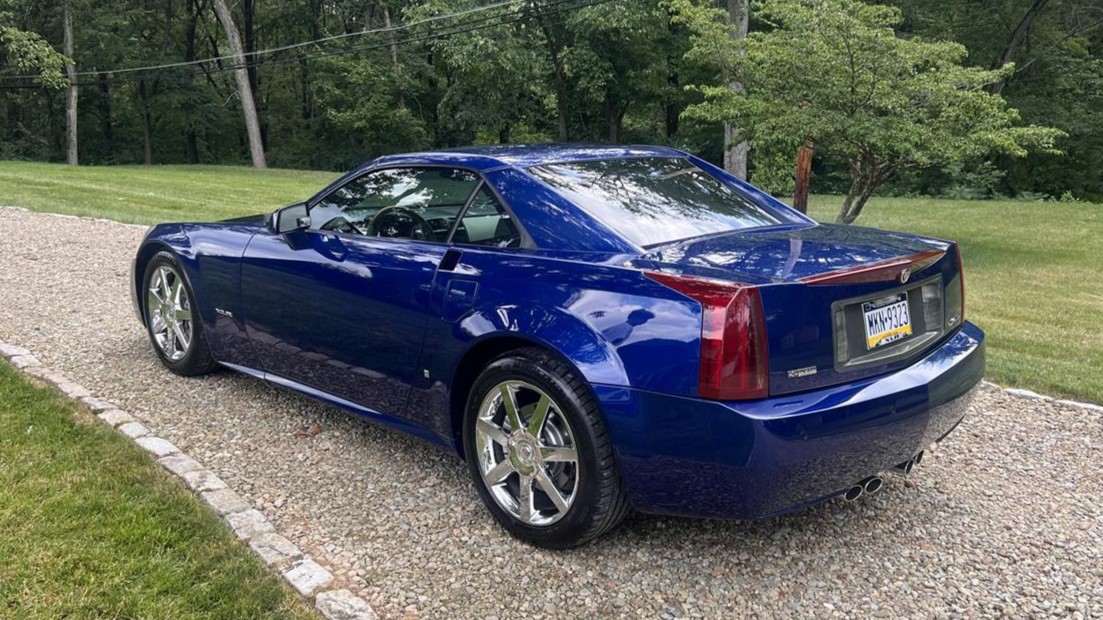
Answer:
(654, 200)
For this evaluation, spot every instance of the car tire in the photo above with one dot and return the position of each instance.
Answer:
(179, 341)
(505, 456)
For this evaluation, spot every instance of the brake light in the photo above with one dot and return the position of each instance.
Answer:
(734, 362)
(961, 277)
(955, 295)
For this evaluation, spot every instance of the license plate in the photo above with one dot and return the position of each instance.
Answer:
(886, 320)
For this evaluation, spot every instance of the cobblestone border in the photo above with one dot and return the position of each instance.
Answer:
(302, 573)
(1036, 396)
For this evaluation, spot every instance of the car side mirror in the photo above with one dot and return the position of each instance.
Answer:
(289, 219)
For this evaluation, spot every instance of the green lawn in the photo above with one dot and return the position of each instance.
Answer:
(1033, 277)
(91, 527)
(150, 194)
(1034, 270)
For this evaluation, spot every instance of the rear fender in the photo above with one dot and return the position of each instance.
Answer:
(489, 332)
(553, 329)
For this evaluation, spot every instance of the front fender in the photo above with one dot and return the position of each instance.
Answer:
(210, 257)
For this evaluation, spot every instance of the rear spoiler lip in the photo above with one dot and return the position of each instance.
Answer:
(894, 269)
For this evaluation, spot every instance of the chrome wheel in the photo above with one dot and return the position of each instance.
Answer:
(526, 453)
(169, 313)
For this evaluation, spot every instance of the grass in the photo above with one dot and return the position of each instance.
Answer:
(1034, 282)
(151, 194)
(91, 527)
(1034, 270)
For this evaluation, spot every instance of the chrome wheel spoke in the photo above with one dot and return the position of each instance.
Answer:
(536, 424)
(509, 401)
(492, 432)
(183, 337)
(524, 499)
(559, 454)
(499, 472)
(163, 284)
(548, 487)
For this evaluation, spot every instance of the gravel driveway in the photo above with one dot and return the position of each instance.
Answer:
(1004, 518)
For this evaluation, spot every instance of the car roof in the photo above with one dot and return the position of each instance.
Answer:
(485, 158)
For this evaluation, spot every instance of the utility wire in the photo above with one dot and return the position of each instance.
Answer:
(101, 74)
(194, 68)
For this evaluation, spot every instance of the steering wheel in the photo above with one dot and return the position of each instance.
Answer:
(341, 224)
(399, 222)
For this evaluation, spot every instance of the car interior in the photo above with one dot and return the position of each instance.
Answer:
(420, 204)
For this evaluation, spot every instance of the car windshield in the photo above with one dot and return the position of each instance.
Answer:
(654, 200)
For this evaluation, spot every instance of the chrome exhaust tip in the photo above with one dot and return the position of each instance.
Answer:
(854, 492)
(872, 484)
(918, 458)
(904, 468)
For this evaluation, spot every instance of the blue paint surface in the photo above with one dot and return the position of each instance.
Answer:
(380, 327)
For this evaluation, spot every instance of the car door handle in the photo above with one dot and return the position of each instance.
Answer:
(450, 260)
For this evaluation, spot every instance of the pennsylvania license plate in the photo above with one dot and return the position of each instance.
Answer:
(886, 320)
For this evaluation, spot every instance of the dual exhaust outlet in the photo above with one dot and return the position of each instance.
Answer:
(873, 484)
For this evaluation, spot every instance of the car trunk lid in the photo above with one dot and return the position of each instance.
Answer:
(840, 303)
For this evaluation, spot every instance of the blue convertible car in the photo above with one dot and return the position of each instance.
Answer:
(593, 329)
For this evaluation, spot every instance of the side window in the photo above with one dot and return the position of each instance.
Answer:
(486, 222)
(403, 203)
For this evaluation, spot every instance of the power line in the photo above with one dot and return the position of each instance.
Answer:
(480, 23)
(292, 46)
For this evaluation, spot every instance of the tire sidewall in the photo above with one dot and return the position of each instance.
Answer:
(567, 531)
(191, 356)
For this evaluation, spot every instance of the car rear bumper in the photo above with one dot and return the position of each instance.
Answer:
(757, 459)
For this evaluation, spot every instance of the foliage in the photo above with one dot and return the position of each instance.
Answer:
(835, 71)
(539, 70)
(28, 53)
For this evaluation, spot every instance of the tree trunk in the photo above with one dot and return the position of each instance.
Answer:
(614, 117)
(394, 58)
(673, 109)
(868, 175)
(71, 94)
(555, 53)
(147, 124)
(106, 129)
(245, 91)
(735, 153)
(804, 175)
(249, 27)
(191, 54)
(1016, 39)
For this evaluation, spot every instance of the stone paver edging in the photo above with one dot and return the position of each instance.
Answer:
(303, 574)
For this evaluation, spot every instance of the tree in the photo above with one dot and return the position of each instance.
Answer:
(25, 52)
(735, 153)
(836, 72)
(244, 87)
(71, 92)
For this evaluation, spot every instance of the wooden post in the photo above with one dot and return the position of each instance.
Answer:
(804, 174)
(71, 94)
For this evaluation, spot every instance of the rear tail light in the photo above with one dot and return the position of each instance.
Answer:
(734, 362)
(955, 296)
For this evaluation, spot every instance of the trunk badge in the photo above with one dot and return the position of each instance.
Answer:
(807, 371)
(905, 274)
